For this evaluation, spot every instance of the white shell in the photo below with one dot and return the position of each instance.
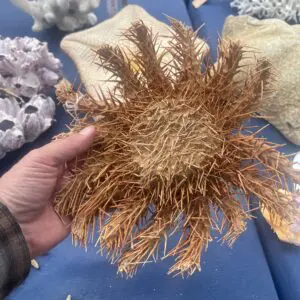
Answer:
(46, 105)
(25, 124)
(9, 106)
(36, 116)
(11, 133)
(35, 264)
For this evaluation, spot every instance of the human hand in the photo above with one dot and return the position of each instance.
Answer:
(28, 190)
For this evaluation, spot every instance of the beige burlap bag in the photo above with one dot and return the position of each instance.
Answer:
(279, 42)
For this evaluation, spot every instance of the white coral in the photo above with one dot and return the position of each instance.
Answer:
(288, 10)
(67, 15)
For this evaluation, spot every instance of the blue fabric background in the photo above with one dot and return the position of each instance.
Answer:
(244, 272)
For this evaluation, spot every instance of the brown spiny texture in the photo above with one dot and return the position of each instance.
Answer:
(170, 153)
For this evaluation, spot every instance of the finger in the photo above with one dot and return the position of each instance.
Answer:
(62, 182)
(64, 150)
(75, 163)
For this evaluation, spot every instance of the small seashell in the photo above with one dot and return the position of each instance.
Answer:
(27, 85)
(198, 3)
(35, 264)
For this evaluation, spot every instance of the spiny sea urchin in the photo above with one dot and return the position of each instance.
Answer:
(170, 153)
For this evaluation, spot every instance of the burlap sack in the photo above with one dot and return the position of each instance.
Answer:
(279, 42)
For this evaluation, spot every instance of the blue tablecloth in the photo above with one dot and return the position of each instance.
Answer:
(235, 274)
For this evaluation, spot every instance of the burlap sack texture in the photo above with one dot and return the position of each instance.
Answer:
(80, 46)
(280, 43)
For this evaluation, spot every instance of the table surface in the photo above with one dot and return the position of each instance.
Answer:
(243, 272)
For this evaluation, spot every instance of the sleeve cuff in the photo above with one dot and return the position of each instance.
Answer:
(14, 253)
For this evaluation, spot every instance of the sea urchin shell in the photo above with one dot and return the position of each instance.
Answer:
(170, 153)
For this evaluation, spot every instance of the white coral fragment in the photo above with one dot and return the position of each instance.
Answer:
(67, 15)
(287, 10)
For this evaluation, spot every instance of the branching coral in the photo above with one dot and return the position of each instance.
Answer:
(288, 10)
(67, 15)
(170, 154)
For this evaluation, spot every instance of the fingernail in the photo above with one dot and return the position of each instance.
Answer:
(87, 131)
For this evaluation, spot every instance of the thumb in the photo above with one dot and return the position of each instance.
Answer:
(64, 150)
